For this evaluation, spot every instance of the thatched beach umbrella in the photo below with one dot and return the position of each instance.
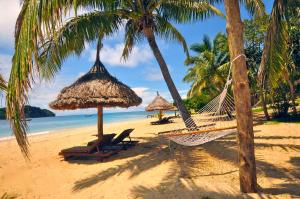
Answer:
(159, 104)
(96, 89)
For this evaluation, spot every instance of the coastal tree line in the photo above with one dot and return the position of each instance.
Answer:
(43, 41)
(208, 69)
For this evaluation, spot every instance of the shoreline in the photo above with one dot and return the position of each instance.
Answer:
(59, 131)
(37, 133)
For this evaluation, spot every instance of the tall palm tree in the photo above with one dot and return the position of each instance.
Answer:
(43, 40)
(241, 90)
(38, 22)
(144, 19)
(275, 56)
(209, 68)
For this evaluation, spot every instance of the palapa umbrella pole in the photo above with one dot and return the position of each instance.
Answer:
(160, 114)
(100, 122)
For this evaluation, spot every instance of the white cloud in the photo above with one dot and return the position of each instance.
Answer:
(112, 55)
(140, 90)
(153, 74)
(9, 10)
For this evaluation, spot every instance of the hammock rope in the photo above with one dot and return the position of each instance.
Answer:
(215, 120)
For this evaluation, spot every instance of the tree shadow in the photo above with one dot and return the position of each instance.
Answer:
(180, 178)
(146, 158)
(226, 150)
(185, 188)
(149, 158)
(144, 146)
(186, 163)
(276, 137)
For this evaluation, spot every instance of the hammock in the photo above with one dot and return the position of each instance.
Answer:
(214, 120)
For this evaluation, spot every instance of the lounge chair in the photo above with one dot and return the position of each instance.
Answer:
(165, 120)
(93, 150)
(105, 135)
(120, 143)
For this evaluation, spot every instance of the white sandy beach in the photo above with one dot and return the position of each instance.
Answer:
(151, 170)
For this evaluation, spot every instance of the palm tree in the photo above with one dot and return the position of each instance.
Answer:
(43, 40)
(145, 19)
(241, 90)
(274, 63)
(209, 68)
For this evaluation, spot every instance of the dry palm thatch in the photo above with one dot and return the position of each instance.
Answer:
(159, 104)
(96, 89)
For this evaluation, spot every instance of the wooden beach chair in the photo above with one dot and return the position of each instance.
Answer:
(94, 150)
(165, 120)
(120, 141)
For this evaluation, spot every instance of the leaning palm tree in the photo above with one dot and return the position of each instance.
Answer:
(209, 68)
(43, 40)
(144, 19)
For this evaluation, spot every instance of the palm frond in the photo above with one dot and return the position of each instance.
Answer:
(37, 19)
(275, 48)
(182, 11)
(254, 7)
(166, 30)
(132, 36)
(71, 39)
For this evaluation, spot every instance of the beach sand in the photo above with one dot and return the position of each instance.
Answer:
(151, 169)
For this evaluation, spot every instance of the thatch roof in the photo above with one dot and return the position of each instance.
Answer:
(96, 88)
(159, 103)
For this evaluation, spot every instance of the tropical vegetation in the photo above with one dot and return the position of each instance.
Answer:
(43, 40)
(209, 68)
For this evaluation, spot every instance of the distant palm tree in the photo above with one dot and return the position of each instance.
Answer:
(209, 68)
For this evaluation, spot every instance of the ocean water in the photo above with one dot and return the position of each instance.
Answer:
(48, 124)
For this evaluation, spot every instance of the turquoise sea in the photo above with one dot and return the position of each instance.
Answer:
(47, 124)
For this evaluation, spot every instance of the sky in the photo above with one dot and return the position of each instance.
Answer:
(141, 71)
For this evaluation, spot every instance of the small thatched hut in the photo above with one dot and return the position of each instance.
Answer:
(159, 104)
(96, 89)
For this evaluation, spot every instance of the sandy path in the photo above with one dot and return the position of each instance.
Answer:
(150, 170)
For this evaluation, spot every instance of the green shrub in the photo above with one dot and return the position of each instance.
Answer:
(280, 101)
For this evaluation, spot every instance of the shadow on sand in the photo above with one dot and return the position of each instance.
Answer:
(187, 162)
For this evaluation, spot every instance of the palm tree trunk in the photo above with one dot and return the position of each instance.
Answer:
(264, 103)
(246, 156)
(166, 74)
(262, 72)
(292, 90)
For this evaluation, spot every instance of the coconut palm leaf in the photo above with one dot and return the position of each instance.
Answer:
(167, 31)
(3, 85)
(254, 7)
(209, 68)
(276, 42)
(72, 37)
(185, 11)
